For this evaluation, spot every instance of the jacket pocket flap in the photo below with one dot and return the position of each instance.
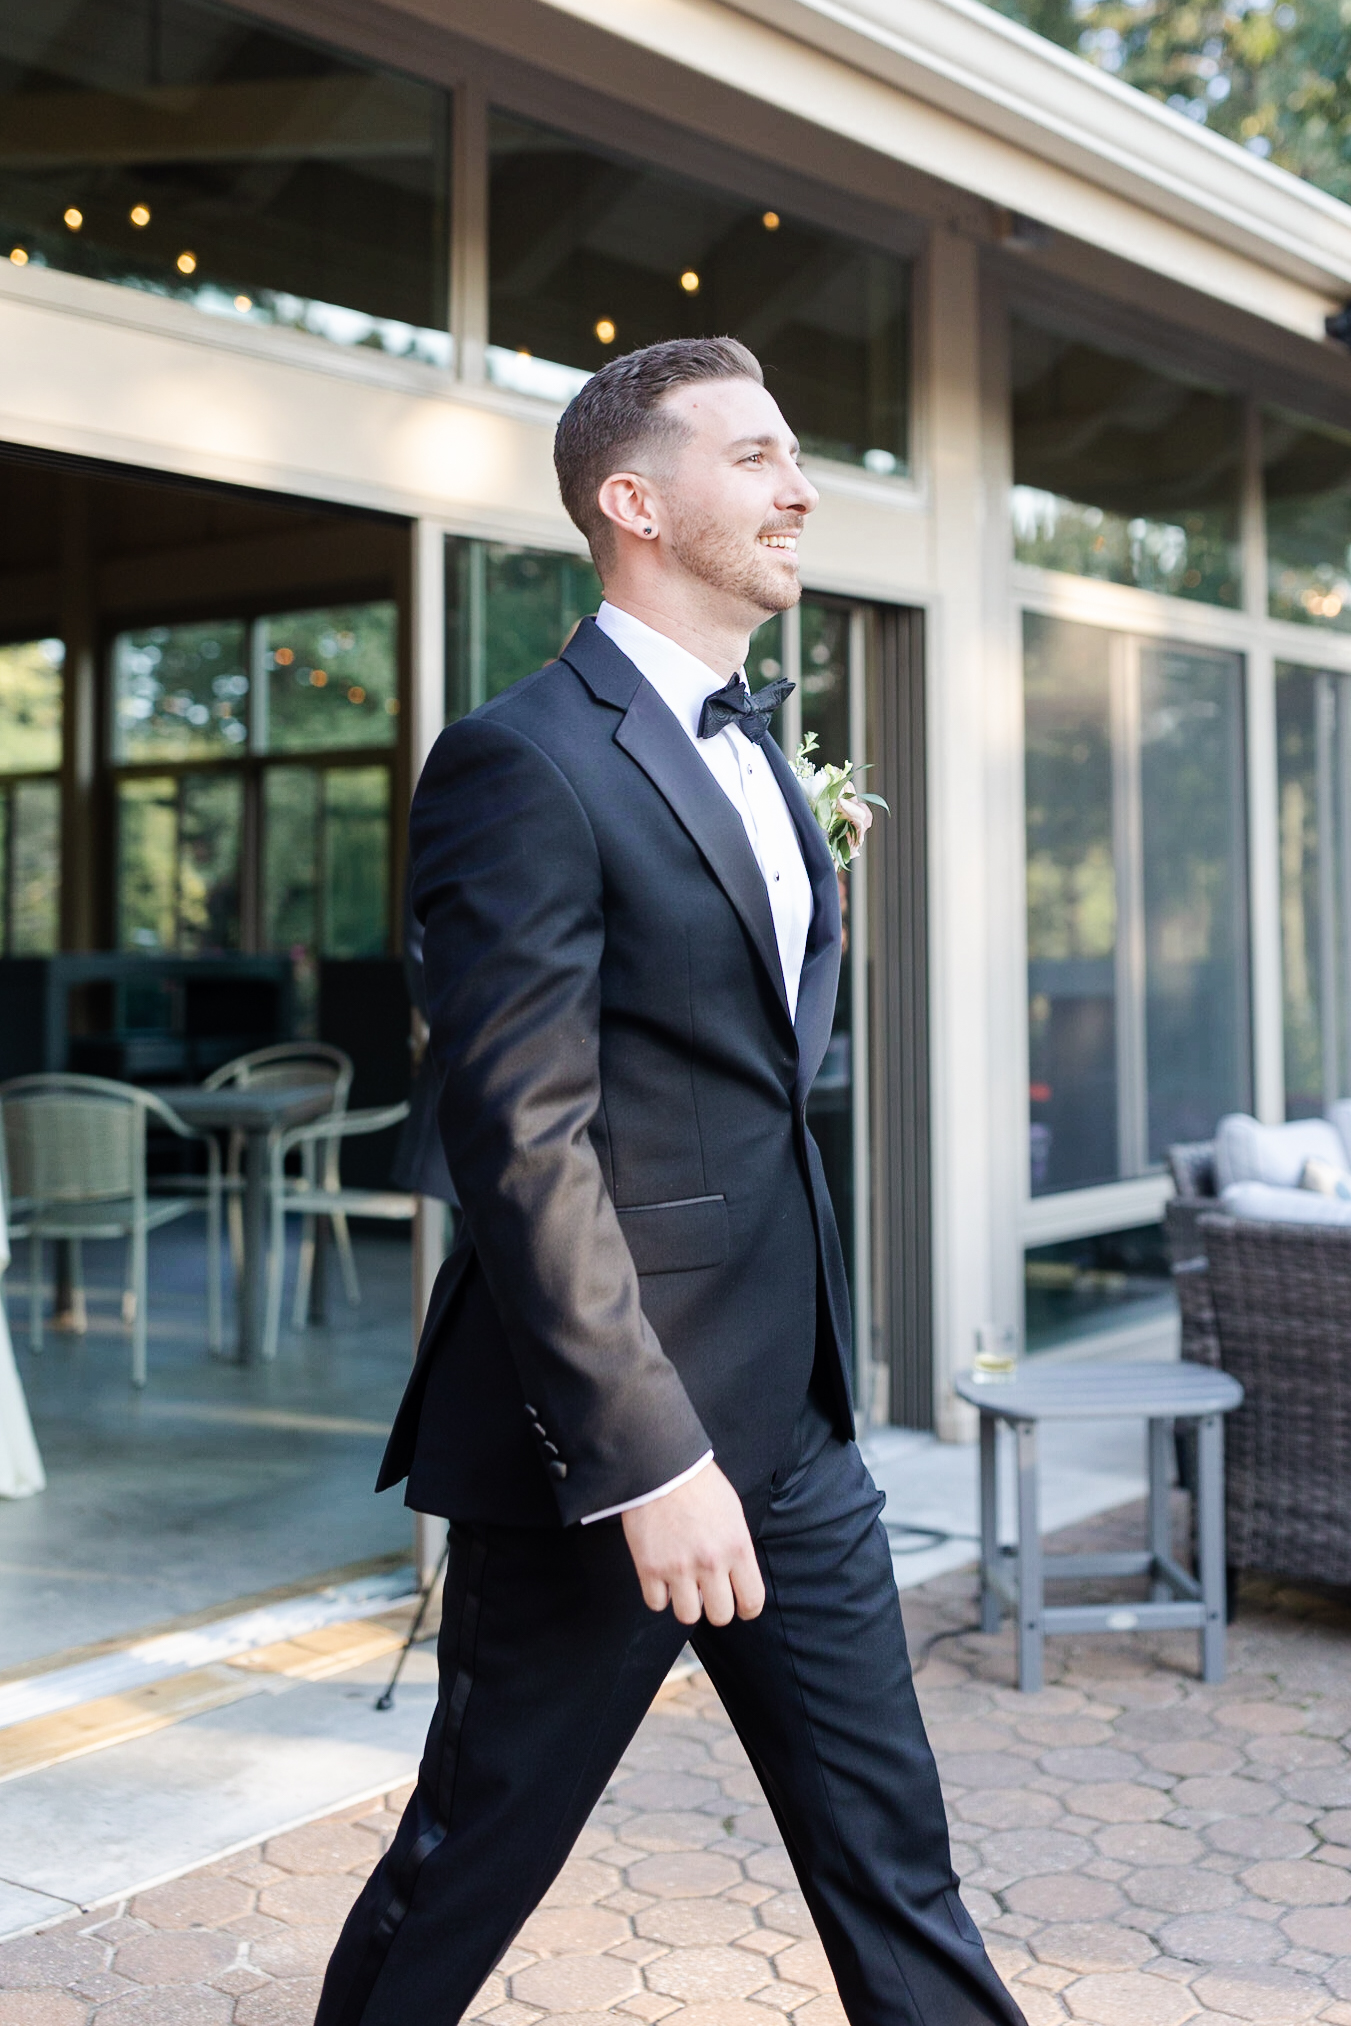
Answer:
(676, 1237)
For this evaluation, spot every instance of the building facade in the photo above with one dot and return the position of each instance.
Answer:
(292, 299)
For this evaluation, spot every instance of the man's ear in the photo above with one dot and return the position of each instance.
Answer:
(632, 505)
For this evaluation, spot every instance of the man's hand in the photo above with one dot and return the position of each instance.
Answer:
(692, 1550)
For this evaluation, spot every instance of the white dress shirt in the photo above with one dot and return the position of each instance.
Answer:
(743, 773)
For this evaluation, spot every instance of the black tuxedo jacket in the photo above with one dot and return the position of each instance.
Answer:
(648, 1264)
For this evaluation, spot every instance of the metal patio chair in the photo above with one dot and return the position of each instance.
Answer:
(304, 1196)
(285, 1065)
(74, 1149)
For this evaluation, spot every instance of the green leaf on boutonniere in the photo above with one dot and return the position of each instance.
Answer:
(825, 787)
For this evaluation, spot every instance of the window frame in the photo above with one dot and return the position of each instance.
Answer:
(250, 766)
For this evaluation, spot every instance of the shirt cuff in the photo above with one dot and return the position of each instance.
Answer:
(630, 1504)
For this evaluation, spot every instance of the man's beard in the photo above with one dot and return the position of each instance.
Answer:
(700, 545)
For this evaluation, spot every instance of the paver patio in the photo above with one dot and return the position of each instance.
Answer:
(1139, 1849)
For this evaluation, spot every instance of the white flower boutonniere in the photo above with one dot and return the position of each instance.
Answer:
(838, 803)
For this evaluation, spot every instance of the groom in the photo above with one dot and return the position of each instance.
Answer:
(631, 1399)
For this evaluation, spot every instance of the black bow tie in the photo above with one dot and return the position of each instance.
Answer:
(734, 705)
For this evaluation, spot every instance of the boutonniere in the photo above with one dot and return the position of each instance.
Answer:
(838, 803)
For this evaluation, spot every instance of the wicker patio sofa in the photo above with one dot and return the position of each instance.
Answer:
(1192, 1165)
(1281, 1296)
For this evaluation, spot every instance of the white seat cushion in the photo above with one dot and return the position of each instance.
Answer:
(1248, 1152)
(1339, 1115)
(1264, 1203)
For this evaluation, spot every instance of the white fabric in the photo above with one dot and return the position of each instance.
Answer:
(671, 1484)
(1248, 1152)
(1267, 1203)
(1339, 1115)
(740, 769)
(21, 1472)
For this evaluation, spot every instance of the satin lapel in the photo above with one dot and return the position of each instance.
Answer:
(821, 965)
(650, 735)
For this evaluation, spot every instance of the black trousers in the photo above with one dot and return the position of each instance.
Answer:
(549, 1661)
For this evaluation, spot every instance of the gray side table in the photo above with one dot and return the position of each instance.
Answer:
(1014, 1578)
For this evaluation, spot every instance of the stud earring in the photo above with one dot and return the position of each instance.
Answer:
(647, 531)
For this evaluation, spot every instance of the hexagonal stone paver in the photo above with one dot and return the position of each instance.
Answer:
(187, 1957)
(674, 1830)
(1263, 1718)
(575, 1983)
(41, 2007)
(50, 1961)
(1063, 1897)
(193, 1903)
(686, 1874)
(1121, 1801)
(1092, 1945)
(1268, 1997)
(572, 1930)
(705, 1974)
(1327, 1928)
(1222, 1794)
(1149, 1843)
(805, 1963)
(1221, 1938)
(693, 1923)
(324, 1900)
(171, 2005)
(288, 2004)
(1299, 1884)
(1259, 1836)
(1025, 1853)
(1180, 1888)
(1008, 1808)
(320, 1846)
(1117, 1998)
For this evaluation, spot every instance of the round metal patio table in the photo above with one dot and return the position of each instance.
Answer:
(1014, 1578)
(258, 1114)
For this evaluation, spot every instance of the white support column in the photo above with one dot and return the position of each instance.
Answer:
(959, 894)
(427, 704)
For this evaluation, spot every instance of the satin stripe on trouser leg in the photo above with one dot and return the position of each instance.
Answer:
(549, 1661)
(820, 1691)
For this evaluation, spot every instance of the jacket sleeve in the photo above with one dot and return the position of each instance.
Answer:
(507, 882)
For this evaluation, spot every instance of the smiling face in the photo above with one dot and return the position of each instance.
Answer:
(735, 500)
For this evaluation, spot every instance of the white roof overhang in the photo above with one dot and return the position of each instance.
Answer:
(954, 89)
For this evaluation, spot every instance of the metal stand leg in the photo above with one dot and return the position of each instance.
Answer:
(991, 1611)
(1210, 1542)
(1160, 1515)
(1029, 1562)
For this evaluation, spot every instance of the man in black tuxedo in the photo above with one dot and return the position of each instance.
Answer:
(631, 1399)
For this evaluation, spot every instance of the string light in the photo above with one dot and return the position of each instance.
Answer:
(73, 218)
(243, 302)
(605, 331)
(186, 263)
(140, 214)
(284, 656)
(356, 694)
(318, 677)
(689, 281)
(770, 221)
(18, 256)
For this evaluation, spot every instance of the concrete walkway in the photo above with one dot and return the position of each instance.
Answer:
(1140, 1850)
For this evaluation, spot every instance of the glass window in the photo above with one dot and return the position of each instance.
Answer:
(1122, 472)
(332, 678)
(1139, 1028)
(508, 612)
(356, 861)
(1306, 476)
(1313, 744)
(181, 692)
(30, 706)
(591, 254)
(1195, 892)
(178, 862)
(1084, 1287)
(1071, 904)
(195, 153)
(30, 867)
(31, 683)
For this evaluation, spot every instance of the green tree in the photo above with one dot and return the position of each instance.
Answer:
(1275, 78)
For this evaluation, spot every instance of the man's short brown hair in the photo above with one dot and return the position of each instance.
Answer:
(617, 422)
